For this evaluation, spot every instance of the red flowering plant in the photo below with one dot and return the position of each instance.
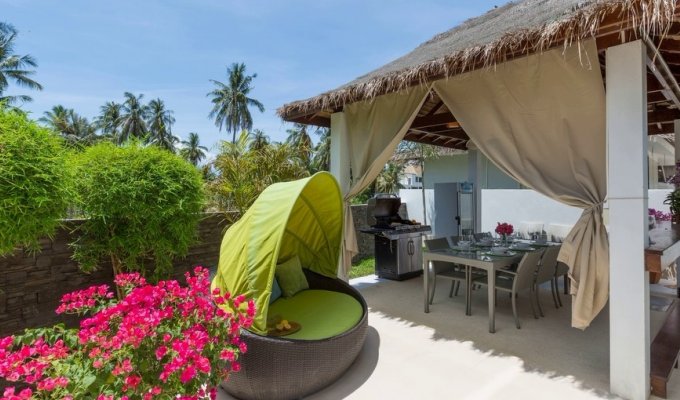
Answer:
(659, 215)
(164, 341)
(504, 229)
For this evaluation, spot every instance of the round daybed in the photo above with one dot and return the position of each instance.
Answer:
(300, 219)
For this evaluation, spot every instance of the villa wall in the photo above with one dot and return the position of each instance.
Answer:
(31, 285)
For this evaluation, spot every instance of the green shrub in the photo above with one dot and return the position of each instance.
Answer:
(139, 203)
(245, 171)
(33, 181)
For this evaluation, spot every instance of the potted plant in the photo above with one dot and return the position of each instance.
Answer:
(673, 202)
(162, 341)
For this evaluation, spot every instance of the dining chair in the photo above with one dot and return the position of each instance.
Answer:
(453, 240)
(558, 232)
(546, 273)
(521, 280)
(527, 229)
(454, 272)
(483, 235)
(563, 271)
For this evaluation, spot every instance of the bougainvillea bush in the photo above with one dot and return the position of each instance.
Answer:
(162, 341)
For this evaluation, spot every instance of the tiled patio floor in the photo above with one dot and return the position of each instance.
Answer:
(444, 354)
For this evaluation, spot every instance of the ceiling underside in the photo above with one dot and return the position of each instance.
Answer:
(436, 125)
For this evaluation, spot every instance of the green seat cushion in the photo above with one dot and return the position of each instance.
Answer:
(321, 313)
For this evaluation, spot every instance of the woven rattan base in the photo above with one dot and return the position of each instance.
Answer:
(285, 369)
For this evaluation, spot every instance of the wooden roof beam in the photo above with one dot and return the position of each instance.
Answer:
(413, 138)
(432, 120)
(663, 116)
(657, 65)
(661, 129)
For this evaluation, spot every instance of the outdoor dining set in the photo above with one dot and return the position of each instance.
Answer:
(509, 265)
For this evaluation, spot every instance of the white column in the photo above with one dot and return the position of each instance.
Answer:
(653, 170)
(628, 236)
(474, 176)
(340, 166)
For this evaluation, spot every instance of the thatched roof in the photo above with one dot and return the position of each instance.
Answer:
(505, 32)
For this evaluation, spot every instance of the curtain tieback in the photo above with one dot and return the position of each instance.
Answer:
(595, 206)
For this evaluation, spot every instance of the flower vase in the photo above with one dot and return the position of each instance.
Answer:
(504, 240)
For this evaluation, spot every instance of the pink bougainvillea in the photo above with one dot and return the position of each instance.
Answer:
(159, 341)
(660, 215)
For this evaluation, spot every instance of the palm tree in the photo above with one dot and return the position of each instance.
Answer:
(133, 117)
(231, 101)
(76, 130)
(322, 151)
(109, 120)
(160, 122)
(80, 132)
(192, 150)
(301, 142)
(243, 173)
(388, 180)
(259, 140)
(57, 118)
(14, 67)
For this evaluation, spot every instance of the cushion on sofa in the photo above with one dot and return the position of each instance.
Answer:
(291, 278)
(276, 291)
(321, 313)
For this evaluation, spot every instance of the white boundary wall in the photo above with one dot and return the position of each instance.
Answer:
(514, 206)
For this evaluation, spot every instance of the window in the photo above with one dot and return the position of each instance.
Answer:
(665, 173)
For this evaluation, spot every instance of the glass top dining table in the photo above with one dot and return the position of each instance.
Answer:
(480, 257)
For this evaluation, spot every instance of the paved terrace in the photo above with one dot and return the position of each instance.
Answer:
(444, 354)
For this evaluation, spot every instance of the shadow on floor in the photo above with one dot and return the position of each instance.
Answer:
(547, 345)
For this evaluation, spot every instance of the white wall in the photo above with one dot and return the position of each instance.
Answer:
(444, 169)
(413, 198)
(455, 168)
(656, 199)
(515, 206)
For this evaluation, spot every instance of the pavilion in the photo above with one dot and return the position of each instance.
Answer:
(560, 95)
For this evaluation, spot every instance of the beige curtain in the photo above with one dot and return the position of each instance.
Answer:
(374, 130)
(541, 119)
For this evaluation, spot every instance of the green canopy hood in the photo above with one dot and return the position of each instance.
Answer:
(302, 218)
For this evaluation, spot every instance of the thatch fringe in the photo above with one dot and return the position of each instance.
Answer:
(649, 17)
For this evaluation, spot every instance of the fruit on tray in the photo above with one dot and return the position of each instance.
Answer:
(284, 325)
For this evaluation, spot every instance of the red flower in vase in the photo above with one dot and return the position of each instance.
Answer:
(503, 228)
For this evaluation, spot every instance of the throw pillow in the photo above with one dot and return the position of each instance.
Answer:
(276, 291)
(291, 278)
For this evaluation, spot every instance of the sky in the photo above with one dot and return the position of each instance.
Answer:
(90, 52)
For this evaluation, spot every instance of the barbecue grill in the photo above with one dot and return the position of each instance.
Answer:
(398, 242)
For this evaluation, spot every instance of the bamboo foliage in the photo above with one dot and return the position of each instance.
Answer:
(34, 181)
(139, 202)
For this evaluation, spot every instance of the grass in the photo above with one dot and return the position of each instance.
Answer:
(362, 268)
